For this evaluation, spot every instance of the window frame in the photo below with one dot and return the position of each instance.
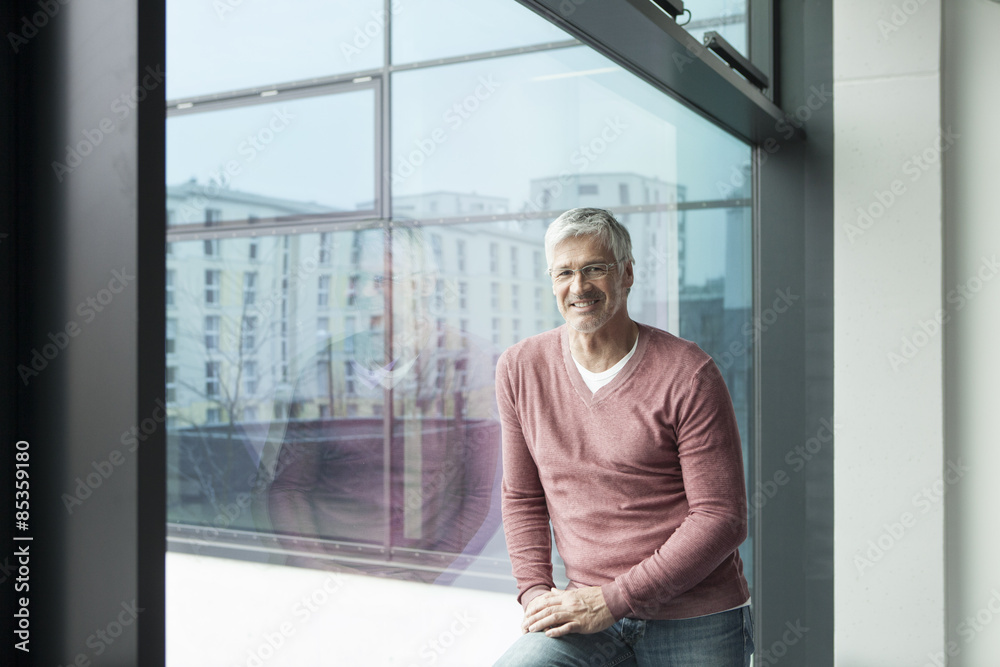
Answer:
(729, 103)
(503, 328)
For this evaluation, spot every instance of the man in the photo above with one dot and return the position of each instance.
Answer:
(624, 437)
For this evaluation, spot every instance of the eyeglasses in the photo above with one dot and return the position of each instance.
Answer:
(589, 272)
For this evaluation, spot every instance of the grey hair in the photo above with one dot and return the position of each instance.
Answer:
(589, 222)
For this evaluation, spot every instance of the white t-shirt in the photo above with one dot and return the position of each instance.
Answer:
(597, 380)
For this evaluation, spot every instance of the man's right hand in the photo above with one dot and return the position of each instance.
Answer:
(558, 613)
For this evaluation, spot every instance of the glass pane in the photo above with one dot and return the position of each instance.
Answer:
(230, 45)
(446, 434)
(555, 130)
(429, 29)
(531, 136)
(328, 477)
(293, 157)
(715, 299)
(726, 17)
(272, 336)
(293, 415)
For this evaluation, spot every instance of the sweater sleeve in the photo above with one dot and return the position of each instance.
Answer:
(711, 461)
(525, 514)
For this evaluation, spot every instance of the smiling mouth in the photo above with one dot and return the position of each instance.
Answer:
(582, 304)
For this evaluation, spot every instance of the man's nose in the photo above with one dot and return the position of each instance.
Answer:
(578, 282)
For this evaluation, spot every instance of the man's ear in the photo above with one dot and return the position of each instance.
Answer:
(628, 275)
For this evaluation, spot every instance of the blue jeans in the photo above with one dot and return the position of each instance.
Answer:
(718, 640)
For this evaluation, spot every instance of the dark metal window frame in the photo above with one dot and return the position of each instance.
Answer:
(645, 40)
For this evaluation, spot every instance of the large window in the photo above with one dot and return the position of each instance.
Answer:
(376, 232)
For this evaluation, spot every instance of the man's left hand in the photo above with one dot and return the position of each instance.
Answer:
(557, 612)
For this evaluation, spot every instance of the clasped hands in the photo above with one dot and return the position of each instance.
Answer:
(558, 613)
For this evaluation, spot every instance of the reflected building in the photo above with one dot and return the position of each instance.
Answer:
(280, 381)
(209, 204)
(443, 204)
(282, 388)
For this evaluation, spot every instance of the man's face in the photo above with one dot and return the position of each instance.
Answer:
(587, 305)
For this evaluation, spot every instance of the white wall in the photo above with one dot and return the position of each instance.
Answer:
(889, 542)
(971, 94)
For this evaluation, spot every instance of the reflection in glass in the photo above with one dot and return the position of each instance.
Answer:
(714, 297)
(219, 46)
(726, 17)
(294, 412)
(323, 473)
(269, 161)
(279, 405)
(425, 30)
(555, 129)
(261, 340)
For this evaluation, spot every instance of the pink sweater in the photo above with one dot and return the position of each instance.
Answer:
(642, 481)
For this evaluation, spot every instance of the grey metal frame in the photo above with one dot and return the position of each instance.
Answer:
(65, 237)
(641, 37)
(794, 246)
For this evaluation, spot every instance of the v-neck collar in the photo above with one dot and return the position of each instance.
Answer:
(590, 398)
